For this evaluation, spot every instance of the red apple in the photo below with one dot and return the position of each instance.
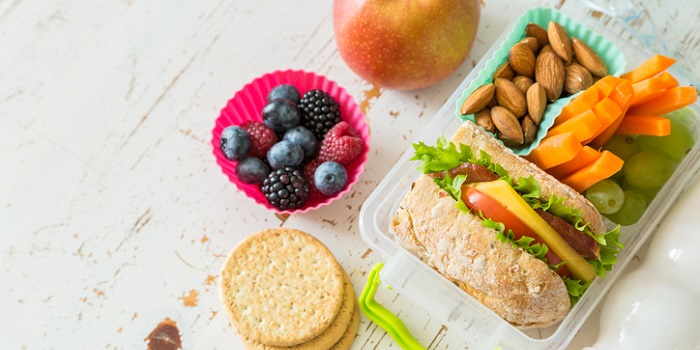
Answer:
(405, 44)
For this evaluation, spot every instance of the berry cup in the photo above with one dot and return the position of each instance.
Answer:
(248, 103)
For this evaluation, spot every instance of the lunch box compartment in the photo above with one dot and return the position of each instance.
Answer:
(480, 327)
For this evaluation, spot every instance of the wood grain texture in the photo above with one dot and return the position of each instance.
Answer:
(114, 215)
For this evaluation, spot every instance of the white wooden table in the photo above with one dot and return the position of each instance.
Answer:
(114, 215)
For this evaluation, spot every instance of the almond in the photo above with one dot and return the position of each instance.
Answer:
(482, 118)
(507, 124)
(504, 71)
(560, 41)
(549, 72)
(536, 102)
(578, 78)
(493, 102)
(537, 32)
(588, 58)
(478, 99)
(508, 142)
(531, 42)
(522, 60)
(547, 48)
(523, 83)
(574, 60)
(510, 97)
(529, 129)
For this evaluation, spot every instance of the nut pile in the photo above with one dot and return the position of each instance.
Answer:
(544, 66)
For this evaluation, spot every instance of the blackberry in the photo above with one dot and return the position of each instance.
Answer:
(286, 188)
(319, 112)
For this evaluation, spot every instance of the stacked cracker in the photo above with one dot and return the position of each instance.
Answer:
(283, 289)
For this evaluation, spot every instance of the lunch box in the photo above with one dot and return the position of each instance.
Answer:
(637, 39)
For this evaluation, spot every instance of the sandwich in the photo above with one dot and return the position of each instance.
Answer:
(510, 235)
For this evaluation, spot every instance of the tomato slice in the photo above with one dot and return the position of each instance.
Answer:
(477, 201)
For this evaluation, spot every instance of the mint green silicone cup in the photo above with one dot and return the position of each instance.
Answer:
(610, 53)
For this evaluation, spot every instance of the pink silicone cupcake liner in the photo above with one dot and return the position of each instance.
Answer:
(248, 103)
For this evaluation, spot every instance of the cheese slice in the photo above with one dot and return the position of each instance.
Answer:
(501, 191)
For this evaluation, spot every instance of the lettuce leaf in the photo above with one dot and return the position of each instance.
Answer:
(610, 246)
(443, 157)
(446, 155)
(453, 186)
(575, 289)
(529, 190)
(525, 243)
(485, 160)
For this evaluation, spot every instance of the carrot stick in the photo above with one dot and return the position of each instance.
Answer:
(555, 150)
(583, 126)
(602, 168)
(644, 125)
(606, 85)
(668, 80)
(583, 158)
(649, 68)
(669, 101)
(647, 89)
(622, 95)
(581, 103)
(607, 111)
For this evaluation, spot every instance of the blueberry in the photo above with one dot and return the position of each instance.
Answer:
(284, 92)
(304, 138)
(252, 170)
(234, 143)
(330, 178)
(285, 153)
(280, 115)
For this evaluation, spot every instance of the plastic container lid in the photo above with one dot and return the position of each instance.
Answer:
(479, 326)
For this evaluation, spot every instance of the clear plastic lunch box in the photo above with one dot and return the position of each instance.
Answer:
(621, 22)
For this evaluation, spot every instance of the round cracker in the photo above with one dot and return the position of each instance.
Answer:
(331, 335)
(281, 287)
(349, 336)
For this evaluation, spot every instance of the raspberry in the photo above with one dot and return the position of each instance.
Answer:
(309, 170)
(261, 138)
(342, 144)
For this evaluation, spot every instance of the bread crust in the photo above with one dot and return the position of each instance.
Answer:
(518, 287)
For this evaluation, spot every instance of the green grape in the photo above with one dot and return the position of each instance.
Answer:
(647, 193)
(623, 146)
(648, 169)
(632, 209)
(606, 196)
(677, 144)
